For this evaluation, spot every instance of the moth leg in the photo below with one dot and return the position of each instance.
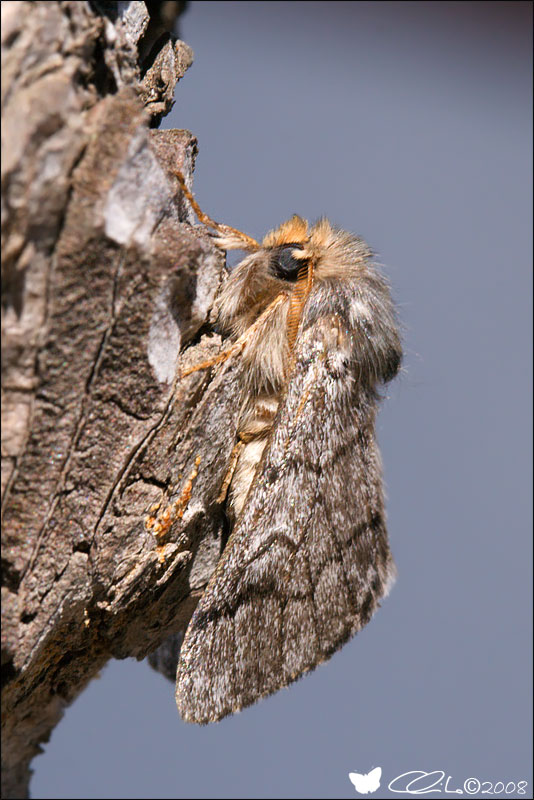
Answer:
(211, 362)
(241, 342)
(234, 458)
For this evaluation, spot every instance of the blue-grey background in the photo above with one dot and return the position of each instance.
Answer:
(409, 124)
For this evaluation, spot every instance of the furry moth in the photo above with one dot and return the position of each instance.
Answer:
(313, 332)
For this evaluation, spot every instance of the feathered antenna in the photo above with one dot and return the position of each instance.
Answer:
(297, 302)
(229, 238)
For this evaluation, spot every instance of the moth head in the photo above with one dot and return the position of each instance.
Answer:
(323, 251)
(282, 251)
(327, 251)
(285, 248)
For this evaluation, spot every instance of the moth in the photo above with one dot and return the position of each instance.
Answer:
(312, 329)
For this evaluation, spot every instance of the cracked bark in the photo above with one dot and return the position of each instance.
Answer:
(104, 282)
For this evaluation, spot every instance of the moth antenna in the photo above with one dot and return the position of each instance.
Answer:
(225, 230)
(299, 296)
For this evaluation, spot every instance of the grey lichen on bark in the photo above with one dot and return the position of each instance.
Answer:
(104, 282)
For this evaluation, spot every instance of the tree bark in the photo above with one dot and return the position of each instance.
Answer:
(104, 282)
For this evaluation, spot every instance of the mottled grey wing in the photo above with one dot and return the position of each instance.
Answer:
(308, 560)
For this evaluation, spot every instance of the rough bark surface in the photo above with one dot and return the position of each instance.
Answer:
(104, 282)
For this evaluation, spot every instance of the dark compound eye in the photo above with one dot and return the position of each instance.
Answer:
(284, 264)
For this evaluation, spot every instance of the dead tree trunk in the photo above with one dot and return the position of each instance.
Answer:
(103, 282)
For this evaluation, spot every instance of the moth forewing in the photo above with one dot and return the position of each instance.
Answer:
(307, 560)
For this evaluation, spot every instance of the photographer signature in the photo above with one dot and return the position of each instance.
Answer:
(418, 781)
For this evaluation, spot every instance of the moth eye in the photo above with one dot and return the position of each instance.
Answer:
(284, 264)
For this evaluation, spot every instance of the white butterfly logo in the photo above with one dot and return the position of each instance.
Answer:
(366, 784)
